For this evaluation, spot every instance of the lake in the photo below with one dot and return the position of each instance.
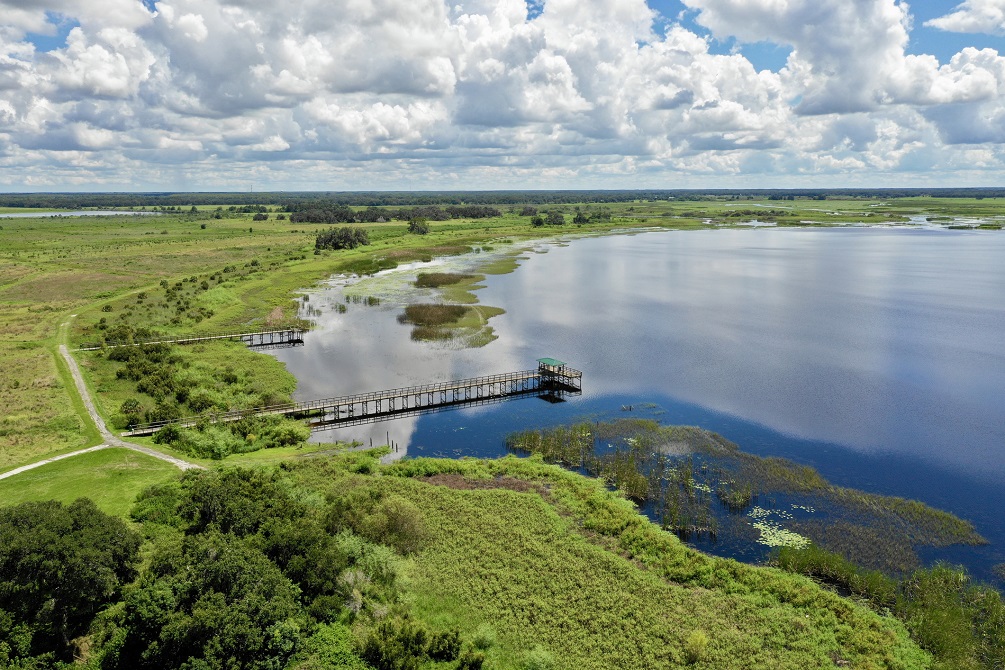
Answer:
(872, 354)
(82, 212)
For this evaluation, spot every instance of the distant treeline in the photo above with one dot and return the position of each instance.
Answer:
(443, 199)
(321, 211)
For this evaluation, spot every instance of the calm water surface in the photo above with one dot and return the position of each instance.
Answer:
(874, 355)
(88, 212)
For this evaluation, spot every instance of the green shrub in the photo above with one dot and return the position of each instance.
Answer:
(537, 658)
(418, 226)
(444, 646)
(471, 660)
(484, 637)
(695, 647)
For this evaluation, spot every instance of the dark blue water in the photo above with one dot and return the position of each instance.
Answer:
(873, 355)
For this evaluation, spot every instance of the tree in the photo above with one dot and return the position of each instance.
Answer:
(418, 226)
(59, 565)
(211, 602)
(580, 219)
(346, 237)
(537, 221)
(555, 218)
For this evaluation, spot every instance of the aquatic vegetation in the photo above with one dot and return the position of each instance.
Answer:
(430, 334)
(734, 497)
(872, 545)
(961, 623)
(438, 279)
(679, 472)
(773, 535)
(432, 314)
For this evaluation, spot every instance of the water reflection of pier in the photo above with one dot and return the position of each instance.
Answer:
(552, 381)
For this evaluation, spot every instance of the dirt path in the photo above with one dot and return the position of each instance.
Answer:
(32, 466)
(111, 440)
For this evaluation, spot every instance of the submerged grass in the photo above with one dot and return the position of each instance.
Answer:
(690, 477)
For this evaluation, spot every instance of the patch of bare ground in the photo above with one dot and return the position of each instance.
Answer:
(462, 483)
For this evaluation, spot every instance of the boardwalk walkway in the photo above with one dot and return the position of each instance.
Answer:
(551, 382)
(254, 338)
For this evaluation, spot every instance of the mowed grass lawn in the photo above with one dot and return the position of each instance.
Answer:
(110, 477)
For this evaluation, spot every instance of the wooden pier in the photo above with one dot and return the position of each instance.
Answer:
(279, 337)
(552, 381)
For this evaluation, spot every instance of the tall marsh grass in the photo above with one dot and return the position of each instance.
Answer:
(438, 279)
(960, 623)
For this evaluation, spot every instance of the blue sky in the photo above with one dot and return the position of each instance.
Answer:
(332, 94)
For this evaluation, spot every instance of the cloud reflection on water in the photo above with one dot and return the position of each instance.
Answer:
(875, 339)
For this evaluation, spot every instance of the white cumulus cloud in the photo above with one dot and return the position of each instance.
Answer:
(480, 93)
(974, 16)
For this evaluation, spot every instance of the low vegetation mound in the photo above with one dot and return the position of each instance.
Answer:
(438, 279)
(432, 315)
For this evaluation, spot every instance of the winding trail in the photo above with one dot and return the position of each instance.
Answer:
(53, 459)
(111, 440)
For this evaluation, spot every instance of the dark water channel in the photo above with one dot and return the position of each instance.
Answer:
(874, 355)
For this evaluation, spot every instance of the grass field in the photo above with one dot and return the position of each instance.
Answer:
(110, 477)
(550, 565)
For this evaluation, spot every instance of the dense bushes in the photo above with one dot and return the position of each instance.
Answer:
(346, 237)
(321, 211)
(404, 645)
(172, 387)
(418, 226)
(59, 565)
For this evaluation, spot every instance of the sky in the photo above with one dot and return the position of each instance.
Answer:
(238, 95)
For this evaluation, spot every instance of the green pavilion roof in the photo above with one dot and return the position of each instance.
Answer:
(552, 362)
